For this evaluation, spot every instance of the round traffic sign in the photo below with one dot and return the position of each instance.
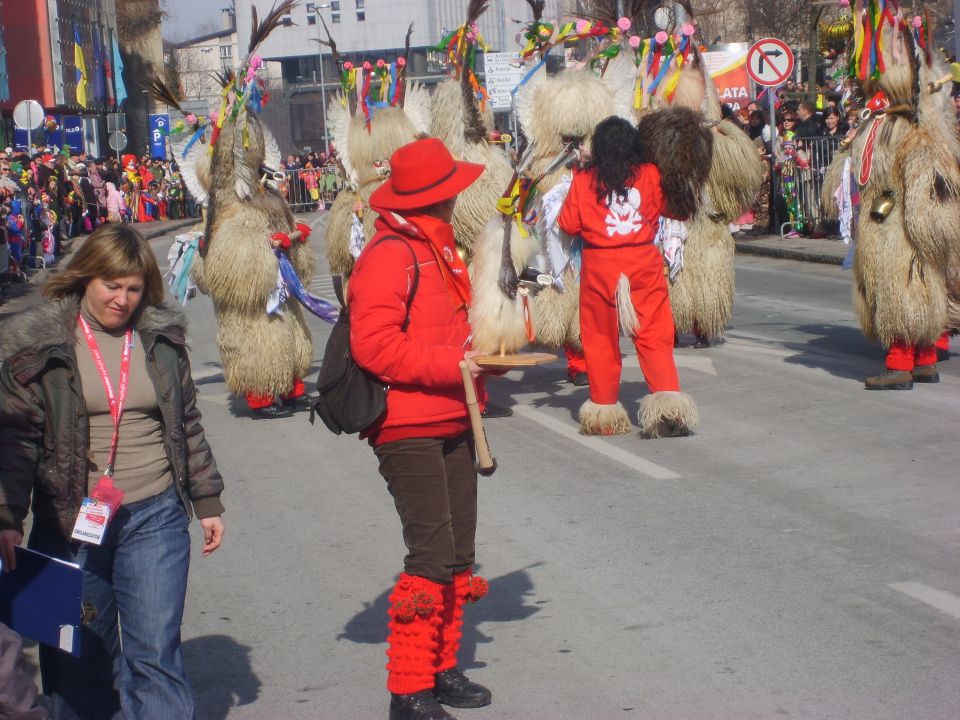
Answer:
(118, 141)
(769, 62)
(28, 114)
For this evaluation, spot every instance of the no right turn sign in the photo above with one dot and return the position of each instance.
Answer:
(769, 62)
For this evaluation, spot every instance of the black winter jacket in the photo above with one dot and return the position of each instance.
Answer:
(44, 432)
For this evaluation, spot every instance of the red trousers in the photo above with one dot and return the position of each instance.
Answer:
(599, 321)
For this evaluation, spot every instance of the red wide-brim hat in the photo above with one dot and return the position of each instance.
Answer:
(423, 173)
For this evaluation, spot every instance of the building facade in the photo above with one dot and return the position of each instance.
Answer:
(41, 39)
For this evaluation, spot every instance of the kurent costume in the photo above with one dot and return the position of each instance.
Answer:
(905, 160)
(423, 441)
(247, 261)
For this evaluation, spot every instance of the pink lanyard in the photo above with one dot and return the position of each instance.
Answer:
(117, 401)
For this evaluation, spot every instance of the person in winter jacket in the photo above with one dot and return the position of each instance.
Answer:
(423, 441)
(18, 692)
(97, 404)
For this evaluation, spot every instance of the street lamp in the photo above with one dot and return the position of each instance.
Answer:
(323, 97)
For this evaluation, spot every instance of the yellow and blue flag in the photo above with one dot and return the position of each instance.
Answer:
(81, 69)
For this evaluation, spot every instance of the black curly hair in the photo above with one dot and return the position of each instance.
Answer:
(613, 156)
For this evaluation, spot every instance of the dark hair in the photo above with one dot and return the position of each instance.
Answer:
(613, 156)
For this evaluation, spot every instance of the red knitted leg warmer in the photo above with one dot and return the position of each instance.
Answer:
(465, 588)
(415, 607)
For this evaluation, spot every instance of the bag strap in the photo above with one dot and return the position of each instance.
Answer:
(416, 277)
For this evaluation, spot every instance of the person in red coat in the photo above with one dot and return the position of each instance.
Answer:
(615, 204)
(423, 441)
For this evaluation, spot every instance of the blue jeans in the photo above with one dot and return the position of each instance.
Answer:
(131, 664)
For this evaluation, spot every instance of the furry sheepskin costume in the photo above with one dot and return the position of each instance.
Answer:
(263, 355)
(907, 257)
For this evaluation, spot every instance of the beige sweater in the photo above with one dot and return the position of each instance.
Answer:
(142, 469)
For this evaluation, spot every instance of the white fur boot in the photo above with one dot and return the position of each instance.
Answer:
(667, 414)
(603, 419)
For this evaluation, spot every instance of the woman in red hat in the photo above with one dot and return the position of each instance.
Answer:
(423, 441)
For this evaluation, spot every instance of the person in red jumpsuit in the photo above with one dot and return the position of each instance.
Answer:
(615, 204)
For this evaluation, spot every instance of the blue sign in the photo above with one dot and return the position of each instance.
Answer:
(55, 136)
(73, 133)
(159, 127)
(20, 138)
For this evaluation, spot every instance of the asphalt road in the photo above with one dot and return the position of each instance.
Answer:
(796, 558)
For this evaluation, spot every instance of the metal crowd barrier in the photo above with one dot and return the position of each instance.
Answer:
(311, 188)
(819, 153)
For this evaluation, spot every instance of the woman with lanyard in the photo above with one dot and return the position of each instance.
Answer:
(98, 420)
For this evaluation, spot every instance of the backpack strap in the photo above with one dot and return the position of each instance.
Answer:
(416, 276)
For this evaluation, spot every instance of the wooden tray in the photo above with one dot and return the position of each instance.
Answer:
(515, 360)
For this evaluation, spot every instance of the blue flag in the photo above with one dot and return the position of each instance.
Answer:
(118, 74)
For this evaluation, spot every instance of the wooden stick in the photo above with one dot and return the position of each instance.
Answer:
(486, 464)
(937, 85)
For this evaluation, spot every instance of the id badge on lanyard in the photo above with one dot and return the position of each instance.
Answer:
(102, 504)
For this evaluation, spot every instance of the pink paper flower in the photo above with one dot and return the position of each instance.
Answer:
(582, 26)
(401, 62)
(213, 116)
(661, 38)
(256, 62)
(191, 119)
(348, 66)
(634, 41)
(380, 63)
(688, 29)
(844, 3)
(917, 21)
(367, 65)
(624, 24)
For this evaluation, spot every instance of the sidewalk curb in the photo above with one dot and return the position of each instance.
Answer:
(788, 253)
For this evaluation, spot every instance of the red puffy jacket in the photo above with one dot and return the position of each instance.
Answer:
(426, 396)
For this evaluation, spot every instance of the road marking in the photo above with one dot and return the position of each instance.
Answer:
(938, 599)
(599, 445)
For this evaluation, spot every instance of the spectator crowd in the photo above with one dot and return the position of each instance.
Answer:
(49, 196)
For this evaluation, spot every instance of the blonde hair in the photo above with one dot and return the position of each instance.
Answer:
(111, 251)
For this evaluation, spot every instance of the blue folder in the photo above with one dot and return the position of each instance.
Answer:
(41, 599)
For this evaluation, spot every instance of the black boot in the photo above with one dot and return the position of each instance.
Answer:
(453, 688)
(417, 706)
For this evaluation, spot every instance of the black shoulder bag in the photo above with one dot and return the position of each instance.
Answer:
(350, 398)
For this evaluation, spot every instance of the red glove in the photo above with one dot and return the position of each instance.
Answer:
(304, 232)
(280, 240)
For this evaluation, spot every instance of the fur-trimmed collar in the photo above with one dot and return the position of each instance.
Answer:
(53, 323)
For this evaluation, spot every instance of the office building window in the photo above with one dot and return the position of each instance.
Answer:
(335, 6)
(311, 8)
(335, 17)
(361, 15)
(311, 19)
(226, 51)
(360, 5)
